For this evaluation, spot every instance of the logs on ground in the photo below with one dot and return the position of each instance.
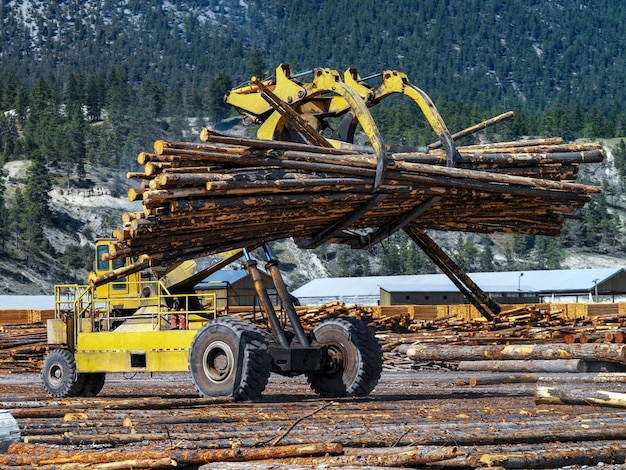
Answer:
(522, 339)
(443, 423)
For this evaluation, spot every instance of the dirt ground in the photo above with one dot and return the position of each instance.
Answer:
(433, 409)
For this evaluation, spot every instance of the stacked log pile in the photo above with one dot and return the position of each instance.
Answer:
(9, 317)
(233, 192)
(525, 334)
(447, 339)
(22, 347)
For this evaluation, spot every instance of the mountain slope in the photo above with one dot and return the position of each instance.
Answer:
(525, 55)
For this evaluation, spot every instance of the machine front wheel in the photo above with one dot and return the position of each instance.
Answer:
(354, 358)
(60, 376)
(230, 357)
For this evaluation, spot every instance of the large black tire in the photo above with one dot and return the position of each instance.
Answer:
(59, 374)
(355, 359)
(230, 357)
(93, 383)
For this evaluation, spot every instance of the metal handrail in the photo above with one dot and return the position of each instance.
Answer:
(82, 302)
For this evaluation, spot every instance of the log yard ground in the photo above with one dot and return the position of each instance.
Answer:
(415, 418)
(423, 413)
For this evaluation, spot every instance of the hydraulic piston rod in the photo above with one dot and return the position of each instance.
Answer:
(266, 304)
(285, 298)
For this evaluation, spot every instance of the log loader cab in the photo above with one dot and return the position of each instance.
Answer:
(125, 292)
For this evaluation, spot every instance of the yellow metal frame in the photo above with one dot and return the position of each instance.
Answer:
(155, 351)
(155, 337)
(328, 95)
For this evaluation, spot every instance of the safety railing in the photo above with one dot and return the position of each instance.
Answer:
(145, 302)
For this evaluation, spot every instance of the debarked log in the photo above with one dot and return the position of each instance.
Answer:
(29, 454)
(410, 456)
(131, 464)
(532, 365)
(602, 377)
(608, 453)
(568, 396)
(502, 379)
(610, 352)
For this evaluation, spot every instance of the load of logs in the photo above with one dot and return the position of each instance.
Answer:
(232, 192)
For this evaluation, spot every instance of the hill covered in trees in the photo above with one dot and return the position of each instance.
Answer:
(85, 86)
(489, 52)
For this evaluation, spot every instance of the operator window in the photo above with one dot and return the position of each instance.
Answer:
(102, 265)
(120, 284)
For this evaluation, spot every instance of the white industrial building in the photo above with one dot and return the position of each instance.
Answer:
(547, 286)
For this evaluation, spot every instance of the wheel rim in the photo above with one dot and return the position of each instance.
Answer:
(218, 361)
(336, 354)
(56, 374)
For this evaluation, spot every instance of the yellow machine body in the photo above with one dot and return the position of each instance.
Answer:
(133, 324)
(125, 293)
(125, 351)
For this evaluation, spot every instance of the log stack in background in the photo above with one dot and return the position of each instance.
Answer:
(234, 192)
(22, 347)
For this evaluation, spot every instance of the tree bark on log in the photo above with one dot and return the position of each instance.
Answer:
(602, 377)
(568, 396)
(555, 458)
(591, 351)
(411, 456)
(185, 457)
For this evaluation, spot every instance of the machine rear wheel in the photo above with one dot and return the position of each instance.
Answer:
(59, 374)
(230, 357)
(354, 358)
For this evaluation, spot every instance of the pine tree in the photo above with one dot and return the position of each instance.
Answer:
(4, 213)
(37, 208)
(256, 65)
(217, 108)
(619, 158)
(547, 253)
(467, 253)
(74, 95)
(485, 261)
(95, 93)
(17, 219)
(118, 95)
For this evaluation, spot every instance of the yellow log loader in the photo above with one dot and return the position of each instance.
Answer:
(153, 321)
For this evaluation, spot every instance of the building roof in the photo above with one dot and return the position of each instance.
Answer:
(337, 286)
(224, 277)
(547, 281)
